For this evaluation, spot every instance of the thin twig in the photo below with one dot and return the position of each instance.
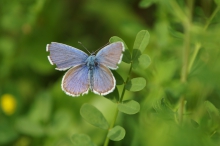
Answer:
(120, 100)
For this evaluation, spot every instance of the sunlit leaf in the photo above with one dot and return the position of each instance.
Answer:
(113, 96)
(217, 2)
(211, 108)
(92, 115)
(136, 84)
(37, 113)
(26, 126)
(117, 133)
(136, 56)
(175, 33)
(60, 121)
(175, 89)
(143, 61)
(194, 123)
(140, 43)
(146, 3)
(81, 140)
(129, 107)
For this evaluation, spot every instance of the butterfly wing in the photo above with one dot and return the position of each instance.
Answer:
(65, 56)
(111, 55)
(76, 81)
(103, 80)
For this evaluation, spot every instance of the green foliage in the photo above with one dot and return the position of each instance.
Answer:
(93, 116)
(217, 2)
(144, 61)
(211, 108)
(167, 85)
(117, 133)
(7, 133)
(146, 3)
(140, 44)
(129, 107)
(81, 140)
(26, 126)
(136, 84)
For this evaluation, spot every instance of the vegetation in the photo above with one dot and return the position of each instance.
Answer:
(168, 85)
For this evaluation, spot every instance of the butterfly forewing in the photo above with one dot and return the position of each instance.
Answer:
(103, 80)
(111, 55)
(65, 56)
(75, 81)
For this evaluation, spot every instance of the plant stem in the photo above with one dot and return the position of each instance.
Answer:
(178, 11)
(111, 126)
(116, 112)
(184, 72)
(123, 91)
(197, 48)
(212, 16)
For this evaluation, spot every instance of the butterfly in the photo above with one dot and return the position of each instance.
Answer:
(86, 71)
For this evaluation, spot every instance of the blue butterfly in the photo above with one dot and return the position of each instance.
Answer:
(86, 72)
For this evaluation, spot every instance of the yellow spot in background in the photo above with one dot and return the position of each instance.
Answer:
(8, 104)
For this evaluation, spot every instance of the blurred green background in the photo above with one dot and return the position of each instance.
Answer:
(36, 112)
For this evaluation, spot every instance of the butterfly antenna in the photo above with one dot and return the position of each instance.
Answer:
(101, 47)
(84, 47)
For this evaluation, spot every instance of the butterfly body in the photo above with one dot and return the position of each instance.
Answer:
(91, 63)
(86, 72)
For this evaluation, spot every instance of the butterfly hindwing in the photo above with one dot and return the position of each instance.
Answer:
(103, 80)
(111, 55)
(65, 56)
(76, 81)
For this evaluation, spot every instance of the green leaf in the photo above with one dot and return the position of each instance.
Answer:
(211, 108)
(92, 115)
(142, 61)
(217, 2)
(26, 126)
(175, 89)
(81, 140)
(129, 107)
(37, 113)
(146, 3)
(7, 133)
(59, 122)
(117, 133)
(136, 84)
(118, 78)
(135, 60)
(126, 54)
(141, 42)
(113, 96)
